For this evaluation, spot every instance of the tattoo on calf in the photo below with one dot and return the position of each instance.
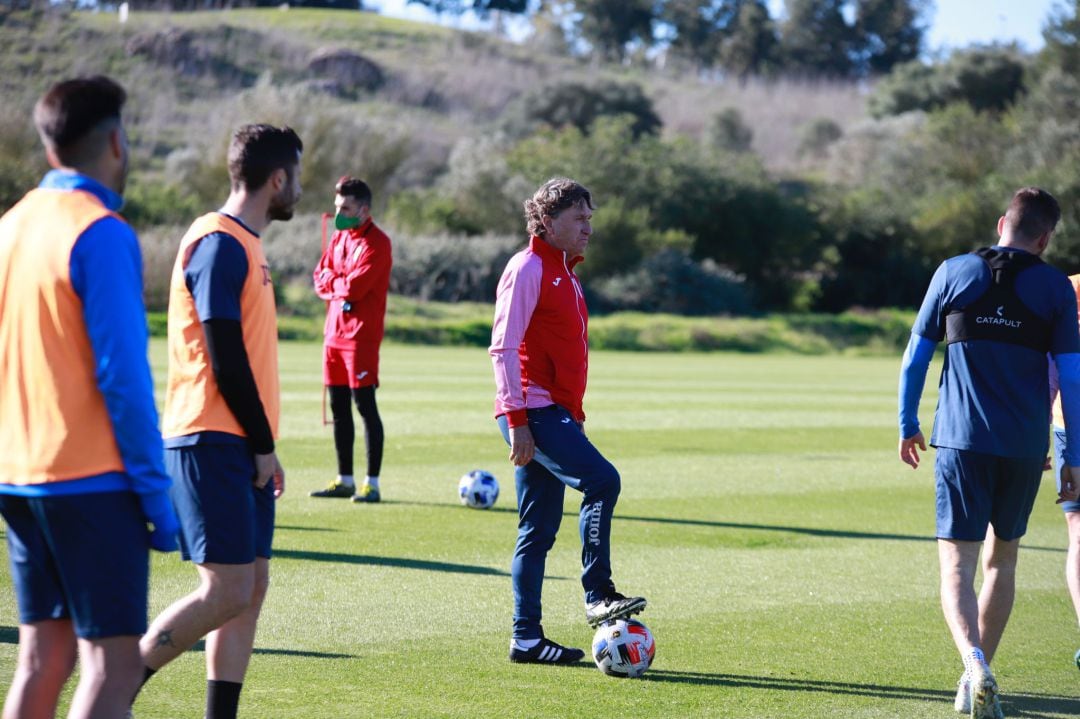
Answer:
(164, 639)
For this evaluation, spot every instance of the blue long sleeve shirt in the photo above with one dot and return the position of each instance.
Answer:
(106, 274)
(993, 397)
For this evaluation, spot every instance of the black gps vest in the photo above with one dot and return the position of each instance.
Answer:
(998, 314)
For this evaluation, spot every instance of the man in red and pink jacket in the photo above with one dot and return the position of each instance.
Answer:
(540, 352)
(353, 276)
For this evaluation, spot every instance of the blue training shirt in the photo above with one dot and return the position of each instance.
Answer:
(993, 397)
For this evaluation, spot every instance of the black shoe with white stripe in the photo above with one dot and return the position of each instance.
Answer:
(613, 606)
(546, 652)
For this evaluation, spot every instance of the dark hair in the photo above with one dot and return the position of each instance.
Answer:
(73, 117)
(352, 187)
(257, 151)
(1033, 212)
(554, 196)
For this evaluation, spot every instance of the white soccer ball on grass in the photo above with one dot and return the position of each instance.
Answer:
(623, 648)
(478, 489)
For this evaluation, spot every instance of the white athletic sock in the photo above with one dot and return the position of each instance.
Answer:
(523, 644)
(973, 658)
(372, 482)
(346, 479)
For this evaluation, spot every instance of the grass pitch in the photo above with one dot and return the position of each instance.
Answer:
(785, 551)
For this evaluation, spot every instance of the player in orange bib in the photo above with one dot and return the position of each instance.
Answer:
(221, 414)
(81, 472)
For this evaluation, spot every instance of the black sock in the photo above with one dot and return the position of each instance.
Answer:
(147, 673)
(222, 699)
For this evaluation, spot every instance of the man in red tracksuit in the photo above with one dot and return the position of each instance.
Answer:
(540, 354)
(353, 276)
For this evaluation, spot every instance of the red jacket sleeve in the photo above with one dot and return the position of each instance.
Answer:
(370, 272)
(323, 276)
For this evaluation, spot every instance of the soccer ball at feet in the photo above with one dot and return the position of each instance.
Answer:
(478, 489)
(623, 648)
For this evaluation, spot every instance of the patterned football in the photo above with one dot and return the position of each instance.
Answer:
(478, 489)
(623, 648)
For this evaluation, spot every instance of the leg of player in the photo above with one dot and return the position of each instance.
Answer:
(540, 506)
(960, 604)
(1072, 566)
(998, 590)
(344, 435)
(540, 503)
(373, 440)
(109, 673)
(228, 650)
(46, 660)
(225, 590)
(564, 450)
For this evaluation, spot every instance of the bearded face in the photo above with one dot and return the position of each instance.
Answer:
(283, 204)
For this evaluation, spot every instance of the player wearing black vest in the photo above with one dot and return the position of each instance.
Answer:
(1001, 311)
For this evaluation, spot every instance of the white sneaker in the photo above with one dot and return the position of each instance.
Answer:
(963, 695)
(985, 703)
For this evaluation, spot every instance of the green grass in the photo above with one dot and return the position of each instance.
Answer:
(784, 549)
(411, 321)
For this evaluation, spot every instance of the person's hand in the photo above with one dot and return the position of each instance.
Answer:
(1070, 484)
(267, 467)
(1048, 464)
(522, 446)
(279, 482)
(909, 449)
(163, 539)
(160, 514)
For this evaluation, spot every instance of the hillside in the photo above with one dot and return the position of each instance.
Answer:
(714, 197)
(192, 75)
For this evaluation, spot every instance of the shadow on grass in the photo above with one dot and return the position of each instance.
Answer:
(1039, 705)
(399, 562)
(797, 685)
(10, 635)
(1014, 704)
(200, 646)
(298, 528)
(809, 531)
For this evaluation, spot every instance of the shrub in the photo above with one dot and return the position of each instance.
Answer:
(345, 72)
(576, 104)
(986, 78)
(730, 132)
(338, 140)
(159, 246)
(148, 203)
(672, 282)
(451, 269)
(817, 136)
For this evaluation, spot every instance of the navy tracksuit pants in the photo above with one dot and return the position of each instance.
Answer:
(564, 458)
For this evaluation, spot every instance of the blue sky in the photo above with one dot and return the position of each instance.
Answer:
(953, 24)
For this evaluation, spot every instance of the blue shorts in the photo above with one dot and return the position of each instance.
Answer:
(83, 557)
(224, 518)
(975, 490)
(1059, 462)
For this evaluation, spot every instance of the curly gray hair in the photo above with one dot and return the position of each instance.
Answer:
(554, 196)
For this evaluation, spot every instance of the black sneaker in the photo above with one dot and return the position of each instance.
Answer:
(613, 606)
(546, 652)
(336, 489)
